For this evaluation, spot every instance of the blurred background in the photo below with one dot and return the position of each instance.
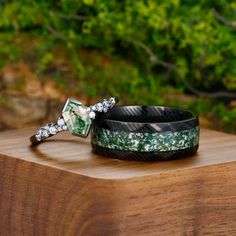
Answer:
(176, 52)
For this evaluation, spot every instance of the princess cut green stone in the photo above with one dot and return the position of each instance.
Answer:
(76, 118)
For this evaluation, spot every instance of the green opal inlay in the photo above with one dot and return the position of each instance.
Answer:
(145, 142)
(76, 118)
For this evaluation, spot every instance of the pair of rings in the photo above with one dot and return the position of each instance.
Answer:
(145, 133)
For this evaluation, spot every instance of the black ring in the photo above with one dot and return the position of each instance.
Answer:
(174, 132)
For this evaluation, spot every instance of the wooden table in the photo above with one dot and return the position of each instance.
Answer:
(61, 188)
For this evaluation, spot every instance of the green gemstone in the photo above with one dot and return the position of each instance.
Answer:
(76, 118)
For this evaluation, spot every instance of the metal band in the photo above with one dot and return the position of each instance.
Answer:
(133, 132)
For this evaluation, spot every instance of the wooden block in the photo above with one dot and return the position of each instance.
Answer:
(61, 188)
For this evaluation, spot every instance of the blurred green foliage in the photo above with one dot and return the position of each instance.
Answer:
(139, 50)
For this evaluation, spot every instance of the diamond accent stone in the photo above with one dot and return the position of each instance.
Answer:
(61, 122)
(52, 130)
(112, 101)
(93, 108)
(59, 129)
(105, 103)
(99, 107)
(38, 137)
(46, 127)
(39, 133)
(92, 114)
(45, 133)
(105, 109)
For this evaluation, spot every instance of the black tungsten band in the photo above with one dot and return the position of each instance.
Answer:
(146, 133)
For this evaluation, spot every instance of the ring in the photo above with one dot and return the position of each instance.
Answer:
(146, 133)
(76, 118)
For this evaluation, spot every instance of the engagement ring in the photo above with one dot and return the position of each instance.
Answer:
(76, 118)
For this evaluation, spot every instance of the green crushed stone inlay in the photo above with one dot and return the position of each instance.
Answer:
(145, 142)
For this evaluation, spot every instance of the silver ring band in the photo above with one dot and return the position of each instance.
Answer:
(53, 128)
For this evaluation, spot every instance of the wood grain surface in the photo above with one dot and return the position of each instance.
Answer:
(61, 188)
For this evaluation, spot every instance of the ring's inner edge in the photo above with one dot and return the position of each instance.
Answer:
(147, 114)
